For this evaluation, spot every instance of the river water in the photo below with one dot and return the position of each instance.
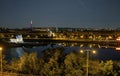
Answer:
(101, 53)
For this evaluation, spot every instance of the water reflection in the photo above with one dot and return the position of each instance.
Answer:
(11, 53)
(102, 53)
(108, 54)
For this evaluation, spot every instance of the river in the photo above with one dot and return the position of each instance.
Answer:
(101, 53)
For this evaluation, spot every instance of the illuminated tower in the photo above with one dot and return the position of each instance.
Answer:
(31, 24)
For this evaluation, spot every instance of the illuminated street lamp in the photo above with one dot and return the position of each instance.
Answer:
(87, 60)
(81, 51)
(1, 59)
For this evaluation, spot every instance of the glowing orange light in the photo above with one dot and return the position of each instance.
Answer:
(81, 51)
(117, 48)
(94, 52)
(118, 39)
(1, 48)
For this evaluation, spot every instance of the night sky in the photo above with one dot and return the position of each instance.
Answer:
(60, 13)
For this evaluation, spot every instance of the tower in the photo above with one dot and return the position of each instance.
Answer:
(31, 24)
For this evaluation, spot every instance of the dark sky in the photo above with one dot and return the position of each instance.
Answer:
(60, 13)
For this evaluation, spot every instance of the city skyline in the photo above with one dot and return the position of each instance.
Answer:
(60, 13)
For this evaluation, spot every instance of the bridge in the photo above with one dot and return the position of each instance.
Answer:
(65, 34)
(68, 37)
(64, 42)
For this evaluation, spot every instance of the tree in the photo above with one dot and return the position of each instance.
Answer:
(73, 65)
(53, 62)
(28, 63)
(94, 68)
(106, 68)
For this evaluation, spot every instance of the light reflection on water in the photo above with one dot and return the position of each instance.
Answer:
(101, 53)
(11, 53)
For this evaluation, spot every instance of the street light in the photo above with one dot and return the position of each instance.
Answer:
(1, 59)
(87, 60)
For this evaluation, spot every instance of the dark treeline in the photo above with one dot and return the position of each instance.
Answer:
(55, 62)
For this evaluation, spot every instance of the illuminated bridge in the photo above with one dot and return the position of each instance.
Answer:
(45, 36)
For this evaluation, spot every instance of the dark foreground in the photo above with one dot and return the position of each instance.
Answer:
(55, 62)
